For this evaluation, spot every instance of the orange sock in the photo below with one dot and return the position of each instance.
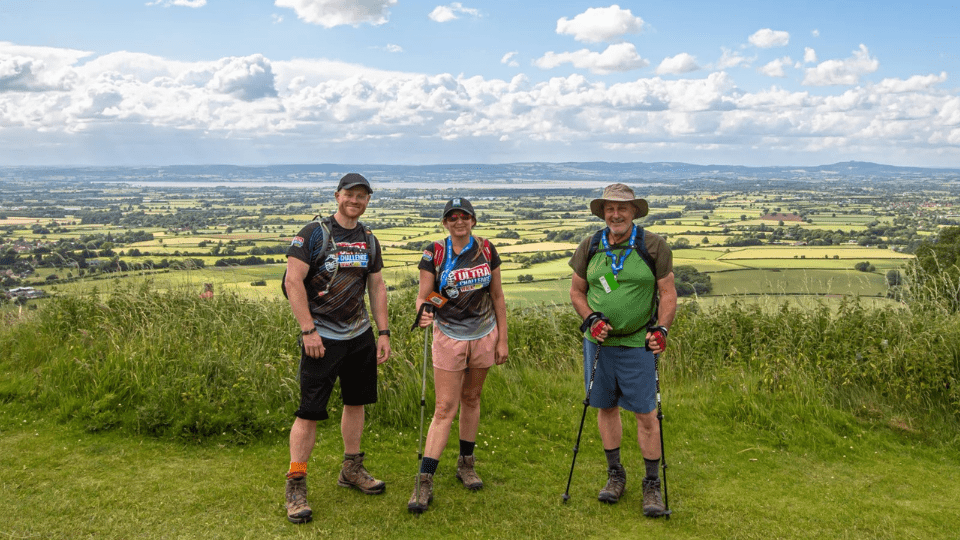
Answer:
(297, 470)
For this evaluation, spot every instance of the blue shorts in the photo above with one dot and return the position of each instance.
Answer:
(625, 377)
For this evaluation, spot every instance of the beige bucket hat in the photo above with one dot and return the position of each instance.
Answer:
(619, 193)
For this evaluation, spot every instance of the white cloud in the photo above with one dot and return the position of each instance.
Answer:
(842, 72)
(809, 55)
(182, 3)
(731, 59)
(443, 14)
(509, 59)
(277, 19)
(598, 25)
(675, 65)
(331, 13)
(767, 38)
(815, 33)
(617, 57)
(393, 48)
(276, 111)
(28, 68)
(917, 83)
(774, 68)
(248, 78)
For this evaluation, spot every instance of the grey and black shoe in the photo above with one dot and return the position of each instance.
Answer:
(652, 500)
(616, 485)
(298, 511)
(354, 474)
(422, 494)
(467, 474)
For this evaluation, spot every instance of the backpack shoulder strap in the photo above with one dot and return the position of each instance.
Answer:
(484, 250)
(438, 253)
(320, 241)
(594, 244)
(371, 245)
(641, 247)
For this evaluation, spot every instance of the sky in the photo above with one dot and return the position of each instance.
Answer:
(163, 82)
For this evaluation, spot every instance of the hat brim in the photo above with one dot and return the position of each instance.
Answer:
(596, 206)
(355, 184)
(461, 209)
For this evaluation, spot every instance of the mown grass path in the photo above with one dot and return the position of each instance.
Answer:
(726, 479)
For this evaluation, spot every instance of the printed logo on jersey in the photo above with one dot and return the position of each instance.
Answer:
(297, 241)
(352, 255)
(470, 279)
(427, 255)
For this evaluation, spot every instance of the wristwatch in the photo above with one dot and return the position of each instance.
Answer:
(384, 333)
(308, 332)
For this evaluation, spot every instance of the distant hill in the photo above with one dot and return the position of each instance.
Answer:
(659, 176)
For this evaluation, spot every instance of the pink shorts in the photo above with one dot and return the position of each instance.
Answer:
(456, 355)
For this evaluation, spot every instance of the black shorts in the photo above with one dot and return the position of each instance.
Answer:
(353, 361)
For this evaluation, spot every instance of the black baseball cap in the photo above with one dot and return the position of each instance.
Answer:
(353, 180)
(459, 203)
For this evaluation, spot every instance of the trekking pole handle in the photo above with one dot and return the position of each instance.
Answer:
(426, 306)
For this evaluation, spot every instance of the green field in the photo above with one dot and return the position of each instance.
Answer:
(404, 224)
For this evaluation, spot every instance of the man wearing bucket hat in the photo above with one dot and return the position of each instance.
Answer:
(623, 288)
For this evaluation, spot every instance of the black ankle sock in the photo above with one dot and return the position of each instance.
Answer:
(466, 447)
(653, 467)
(429, 465)
(613, 457)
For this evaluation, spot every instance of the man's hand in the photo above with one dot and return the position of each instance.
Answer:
(599, 326)
(313, 345)
(657, 339)
(383, 349)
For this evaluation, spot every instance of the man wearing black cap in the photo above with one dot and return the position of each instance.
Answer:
(330, 264)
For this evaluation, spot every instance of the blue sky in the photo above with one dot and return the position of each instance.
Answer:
(156, 82)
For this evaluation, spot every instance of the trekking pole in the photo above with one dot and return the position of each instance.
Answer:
(428, 306)
(663, 455)
(586, 403)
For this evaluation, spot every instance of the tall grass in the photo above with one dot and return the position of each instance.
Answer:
(888, 358)
(170, 364)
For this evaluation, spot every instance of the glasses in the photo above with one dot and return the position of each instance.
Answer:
(453, 218)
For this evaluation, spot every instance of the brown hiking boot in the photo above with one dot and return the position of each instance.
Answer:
(652, 501)
(353, 474)
(422, 494)
(616, 485)
(298, 511)
(467, 474)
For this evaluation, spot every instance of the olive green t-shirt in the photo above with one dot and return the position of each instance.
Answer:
(629, 305)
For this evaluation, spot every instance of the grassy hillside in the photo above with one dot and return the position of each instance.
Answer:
(156, 414)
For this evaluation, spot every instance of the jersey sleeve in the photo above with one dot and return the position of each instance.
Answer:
(578, 262)
(495, 261)
(300, 244)
(661, 253)
(426, 261)
(377, 264)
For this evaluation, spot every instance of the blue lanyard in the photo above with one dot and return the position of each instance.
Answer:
(451, 261)
(616, 265)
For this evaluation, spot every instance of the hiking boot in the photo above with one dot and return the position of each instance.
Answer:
(422, 494)
(616, 485)
(652, 501)
(353, 474)
(467, 474)
(298, 511)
